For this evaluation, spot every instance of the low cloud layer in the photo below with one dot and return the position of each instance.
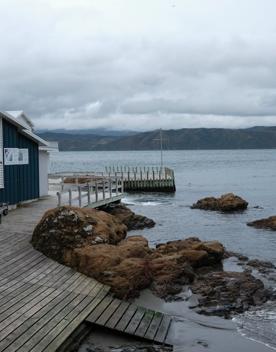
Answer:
(133, 65)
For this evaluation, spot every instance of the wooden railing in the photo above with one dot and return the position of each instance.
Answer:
(144, 179)
(92, 194)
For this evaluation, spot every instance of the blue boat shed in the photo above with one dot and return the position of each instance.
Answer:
(19, 159)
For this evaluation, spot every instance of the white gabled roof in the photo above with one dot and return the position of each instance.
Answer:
(24, 127)
(22, 118)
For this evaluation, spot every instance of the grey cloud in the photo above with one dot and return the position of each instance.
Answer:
(96, 64)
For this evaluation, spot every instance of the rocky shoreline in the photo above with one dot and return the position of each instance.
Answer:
(96, 244)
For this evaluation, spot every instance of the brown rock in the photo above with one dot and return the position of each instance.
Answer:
(193, 251)
(93, 242)
(68, 227)
(129, 218)
(268, 223)
(123, 267)
(226, 203)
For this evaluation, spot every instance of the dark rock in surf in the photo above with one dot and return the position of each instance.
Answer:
(226, 203)
(262, 266)
(129, 218)
(226, 293)
(267, 223)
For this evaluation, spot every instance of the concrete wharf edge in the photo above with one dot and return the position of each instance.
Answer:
(43, 302)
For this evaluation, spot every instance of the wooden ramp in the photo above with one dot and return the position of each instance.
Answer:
(43, 302)
(128, 318)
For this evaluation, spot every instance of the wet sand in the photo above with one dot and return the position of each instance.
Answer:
(191, 332)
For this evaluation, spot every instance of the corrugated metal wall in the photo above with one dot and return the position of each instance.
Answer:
(21, 182)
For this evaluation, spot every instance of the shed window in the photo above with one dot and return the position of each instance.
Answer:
(1, 156)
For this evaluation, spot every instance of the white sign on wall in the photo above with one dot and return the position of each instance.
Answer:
(23, 157)
(15, 156)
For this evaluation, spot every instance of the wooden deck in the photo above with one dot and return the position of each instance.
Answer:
(128, 318)
(43, 302)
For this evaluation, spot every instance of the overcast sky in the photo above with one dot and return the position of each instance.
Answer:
(139, 64)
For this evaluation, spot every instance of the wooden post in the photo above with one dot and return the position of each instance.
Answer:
(122, 185)
(97, 191)
(110, 188)
(88, 194)
(116, 186)
(79, 190)
(70, 197)
(59, 198)
(103, 183)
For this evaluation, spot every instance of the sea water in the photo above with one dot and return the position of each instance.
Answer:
(250, 174)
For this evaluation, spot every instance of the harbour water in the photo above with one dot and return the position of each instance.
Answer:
(248, 173)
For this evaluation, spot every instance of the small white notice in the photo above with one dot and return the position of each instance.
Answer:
(23, 157)
(16, 156)
(11, 156)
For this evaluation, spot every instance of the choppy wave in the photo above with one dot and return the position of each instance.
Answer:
(259, 325)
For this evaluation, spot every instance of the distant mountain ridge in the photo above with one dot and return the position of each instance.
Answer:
(258, 137)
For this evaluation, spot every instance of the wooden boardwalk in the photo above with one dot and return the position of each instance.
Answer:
(131, 319)
(43, 302)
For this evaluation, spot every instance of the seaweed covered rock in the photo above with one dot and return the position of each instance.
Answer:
(226, 203)
(267, 223)
(66, 228)
(224, 293)
(129, 218)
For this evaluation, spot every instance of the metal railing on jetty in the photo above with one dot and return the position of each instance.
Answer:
(84, 191)
(144, 179)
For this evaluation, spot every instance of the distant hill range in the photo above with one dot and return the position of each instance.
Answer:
(185, 138)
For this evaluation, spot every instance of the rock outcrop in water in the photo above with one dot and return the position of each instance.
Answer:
(129, 218)
(224, 293)
(93, 242)
(267, 223)
(226, 203)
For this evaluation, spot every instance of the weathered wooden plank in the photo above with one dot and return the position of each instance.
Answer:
(135, 321)
(50, 324)
(125, 319)
(98, 311)
(163, 329)
(19, 301)
(117, 315)
(23, 333)
(108, 312)
(75, 322)
(57, 336)
(145, 323)
(154, 325)
(45, 298)
(23, 309)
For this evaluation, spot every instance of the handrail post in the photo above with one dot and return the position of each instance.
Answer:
(110, 188)
(88, 193)
(103, 183)
(122, 185)
(116, 186)
(70, 197)
(79, 192)
(97, 191)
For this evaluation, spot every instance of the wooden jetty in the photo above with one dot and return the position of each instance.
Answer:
(43, 303)
(144, 179)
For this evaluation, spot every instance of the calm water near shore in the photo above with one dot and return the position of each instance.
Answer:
(248, 173)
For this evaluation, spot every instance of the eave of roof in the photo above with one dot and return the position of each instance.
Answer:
(22, 129)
